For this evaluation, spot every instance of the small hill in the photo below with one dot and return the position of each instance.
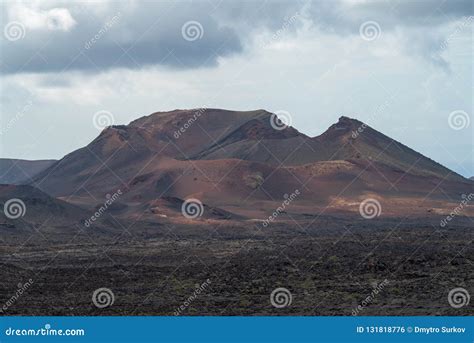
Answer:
(23, 206)
(13, 171)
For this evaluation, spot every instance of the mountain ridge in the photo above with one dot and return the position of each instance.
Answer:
(240, 163)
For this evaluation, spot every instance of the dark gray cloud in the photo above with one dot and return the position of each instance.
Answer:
(138, 34)
(129, 36)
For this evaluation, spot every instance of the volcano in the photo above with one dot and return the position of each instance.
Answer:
(174, 198)
(242, 163)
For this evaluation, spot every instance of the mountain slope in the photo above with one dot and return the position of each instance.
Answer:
(237, 160)
(360, 142)
(349, 139)
(30, 207)
(13, 171)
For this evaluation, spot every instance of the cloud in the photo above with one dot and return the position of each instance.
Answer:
(55, 19)
(418, 25)
(128, 34)
(123, 35)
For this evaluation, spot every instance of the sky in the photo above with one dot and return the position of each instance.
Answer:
(67, 68)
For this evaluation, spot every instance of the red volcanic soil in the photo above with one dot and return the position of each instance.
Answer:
(237, 162)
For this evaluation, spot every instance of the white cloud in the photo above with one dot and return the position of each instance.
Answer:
(33, 18)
